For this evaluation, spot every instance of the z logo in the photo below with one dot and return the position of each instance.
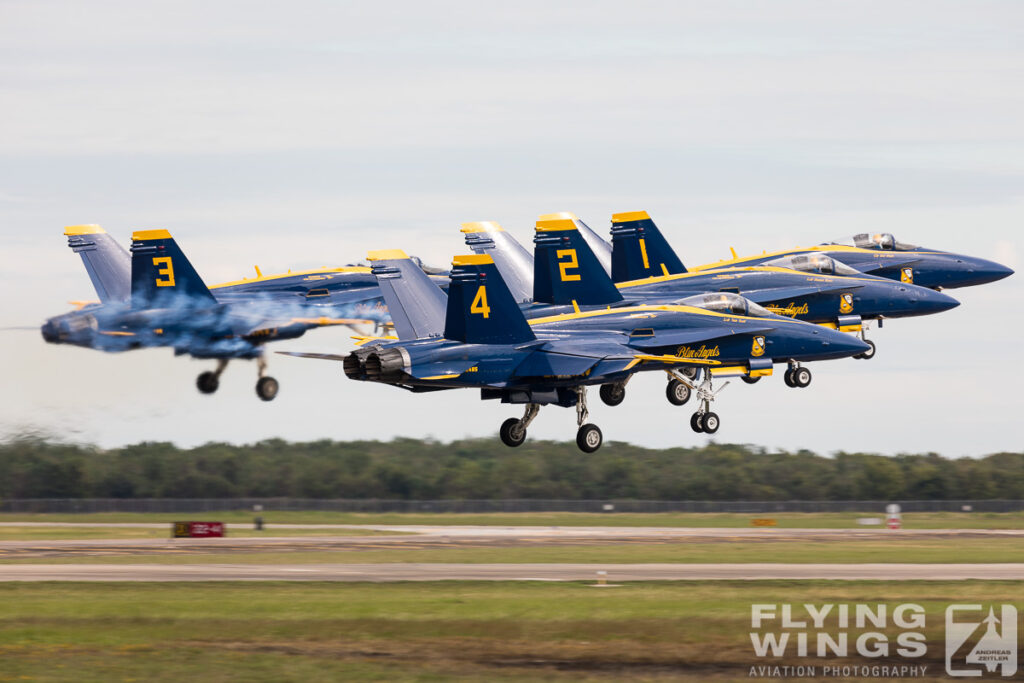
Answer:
(846, 303)
(757, 350)
(907, 276)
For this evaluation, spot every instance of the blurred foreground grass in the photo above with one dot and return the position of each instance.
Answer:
(422, 631)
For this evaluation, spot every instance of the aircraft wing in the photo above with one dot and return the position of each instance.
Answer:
(760, 296)
(680, 337)
(569, 357)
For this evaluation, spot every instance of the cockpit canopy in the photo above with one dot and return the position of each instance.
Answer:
(813, 263)
(880, 240)
(725, 302)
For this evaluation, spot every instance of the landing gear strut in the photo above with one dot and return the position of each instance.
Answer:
(513, 430)
(588, 437)
(703, 420)
(208, 381)
(797, 376)
(266, 387)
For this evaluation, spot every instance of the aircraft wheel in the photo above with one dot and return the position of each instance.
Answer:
(870, 353)
(512, 432)
(589, 438)
(266, 388)
(788, 378)
(697, 422)
(612, 394)
(690, 372)
(677, 393)
(801, 377)
(750, 380)
(709, 423)
(207, 382)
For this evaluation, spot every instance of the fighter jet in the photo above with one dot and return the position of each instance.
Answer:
(155, 298)
(883, 255)
(813, 288)
(476, 336)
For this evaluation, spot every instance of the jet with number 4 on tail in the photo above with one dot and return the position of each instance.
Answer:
(477, 336)
(155, 298)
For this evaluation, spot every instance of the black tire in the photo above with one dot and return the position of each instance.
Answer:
(690, 372)
(788, 378)
(589, 438)
(696, 421)
(870, 353)
(207, 382)
(677, 393)
(266, 388)
(801, 377)
(710, 423)
(750, 380)
(612, 394)
(512, 432)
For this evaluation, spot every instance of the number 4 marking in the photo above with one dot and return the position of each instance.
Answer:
(479, 304)
(166, 278)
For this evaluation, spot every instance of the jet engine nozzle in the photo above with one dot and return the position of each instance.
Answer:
(353, 366)
(386, 365)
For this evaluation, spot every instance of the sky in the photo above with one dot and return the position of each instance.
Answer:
(302, 134)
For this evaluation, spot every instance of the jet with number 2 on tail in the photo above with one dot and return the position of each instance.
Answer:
(155, 298)
(477, 336)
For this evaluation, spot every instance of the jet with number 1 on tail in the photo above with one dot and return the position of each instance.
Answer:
(477, 336)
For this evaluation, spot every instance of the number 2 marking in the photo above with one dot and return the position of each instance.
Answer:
(166, 278)
(571, 262)
(479, 304)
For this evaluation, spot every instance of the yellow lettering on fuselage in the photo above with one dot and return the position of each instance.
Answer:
(702, 352)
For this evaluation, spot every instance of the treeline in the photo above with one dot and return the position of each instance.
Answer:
(485, 469)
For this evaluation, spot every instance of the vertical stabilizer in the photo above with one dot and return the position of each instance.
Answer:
(639, 250)
(566, 270)
(107, 262)
(161, 275)
(602, 250)
(416, 305)
(481, 309)
(513, 261)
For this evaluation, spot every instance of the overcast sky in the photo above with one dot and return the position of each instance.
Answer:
(302, 134)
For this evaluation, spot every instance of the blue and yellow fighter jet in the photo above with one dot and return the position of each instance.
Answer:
(883, 255)
(815, 289)
(155, 298)
(477, 336)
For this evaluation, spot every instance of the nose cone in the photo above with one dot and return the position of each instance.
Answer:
(842, 345)
(928, 301)
(49, 330)
(983, 271)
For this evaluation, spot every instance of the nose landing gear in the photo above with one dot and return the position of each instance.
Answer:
(797, 376)
(702, 421)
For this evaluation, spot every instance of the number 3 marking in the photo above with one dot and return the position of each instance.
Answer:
(479, 304)
(166, 278)
(571, 262)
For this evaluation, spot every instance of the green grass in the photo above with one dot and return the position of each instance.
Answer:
(822, 520)
(891, 549)
(419, 632)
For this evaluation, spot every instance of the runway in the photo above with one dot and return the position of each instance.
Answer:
(380, 573)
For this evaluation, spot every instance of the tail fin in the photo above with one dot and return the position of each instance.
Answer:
(416, 304)
(602, 250)
(565, 269)
(639, 249)
(481, 309)
(106, 261)
(513, 261)
(161, 274)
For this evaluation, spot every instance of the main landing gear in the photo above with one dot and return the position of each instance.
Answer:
(797, 376)
(588, 437)
(266, 387)
(682, 386)
(613, 394)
